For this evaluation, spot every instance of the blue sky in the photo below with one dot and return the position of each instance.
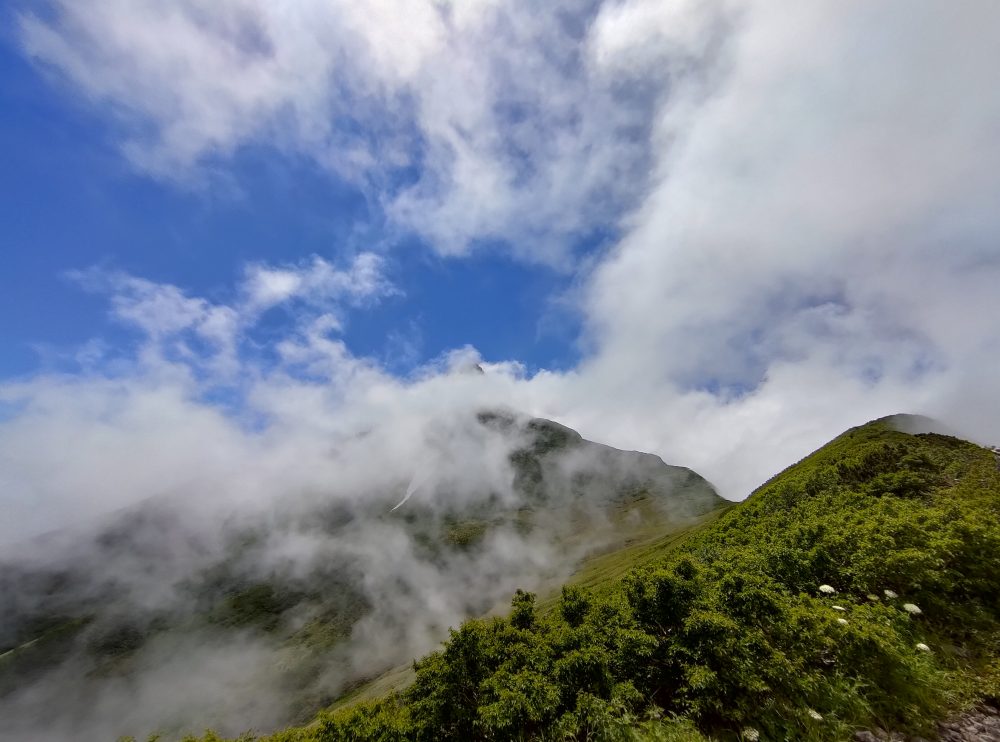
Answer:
(721, 231)
(70, 202)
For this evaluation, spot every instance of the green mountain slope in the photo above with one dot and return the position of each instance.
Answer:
(859, 587)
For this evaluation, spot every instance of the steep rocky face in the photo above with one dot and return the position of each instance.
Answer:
(555, 460)
(981, 724)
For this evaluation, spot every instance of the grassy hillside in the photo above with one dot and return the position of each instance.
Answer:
(859, 587)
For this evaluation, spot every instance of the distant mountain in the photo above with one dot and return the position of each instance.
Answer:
(554, 460)
(297, 604)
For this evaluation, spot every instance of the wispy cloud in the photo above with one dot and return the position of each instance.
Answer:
(194, 330)
(318, 283)
(517, 123)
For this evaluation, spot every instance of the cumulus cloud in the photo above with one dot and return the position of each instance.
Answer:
(819, 246)
(317, 283)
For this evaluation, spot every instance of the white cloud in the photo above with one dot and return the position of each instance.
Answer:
(317, 282)
(267, 287)
(642, 38)
(515, 135)
(209, 336)
(819, 247)
(169, 318)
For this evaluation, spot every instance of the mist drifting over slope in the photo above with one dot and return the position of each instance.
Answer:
(292, 584)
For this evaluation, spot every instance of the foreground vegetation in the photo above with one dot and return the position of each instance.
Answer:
(860, 587)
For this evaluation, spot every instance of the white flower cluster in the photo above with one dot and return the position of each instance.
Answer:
(826, 590)
(912, 609)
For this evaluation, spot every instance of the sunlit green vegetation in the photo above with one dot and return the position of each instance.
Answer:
(728, 635)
